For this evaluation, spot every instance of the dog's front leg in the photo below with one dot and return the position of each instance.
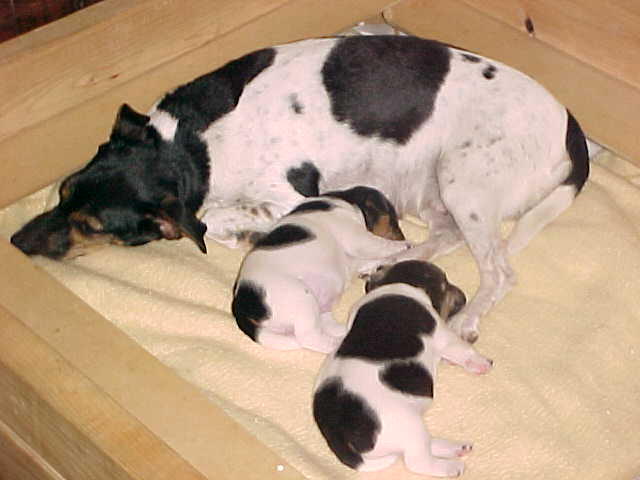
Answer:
(230, 223)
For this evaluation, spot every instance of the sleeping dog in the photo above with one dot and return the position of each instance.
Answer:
(456, 139)
(291, 278)
(371, 394)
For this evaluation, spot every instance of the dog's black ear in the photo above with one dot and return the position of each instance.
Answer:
(176, 221)
(381, 217)
(130, 125)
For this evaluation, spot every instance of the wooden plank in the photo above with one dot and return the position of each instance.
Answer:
(64, 418)
(19, 461)
(605, 106)
(35, 156)
(46, 79)
(602, 34)
(72, 380)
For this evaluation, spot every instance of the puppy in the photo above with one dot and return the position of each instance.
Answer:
(371, 394)
(460, 141)
(291, 278)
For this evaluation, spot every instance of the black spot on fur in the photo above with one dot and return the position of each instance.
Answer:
(249, 308)
(385, 86)
(411, 378)
(474, 217)
(284, 236)
(296, 106)
(312, 206)
(489, 72)
(214, 94)
(386, 328)
(346, 422)
(467, 57)
(305, 179)
(423, 275)
(576, 146)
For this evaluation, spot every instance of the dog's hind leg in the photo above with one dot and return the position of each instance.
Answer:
(444, 448)
(479, 221)
(539, 216)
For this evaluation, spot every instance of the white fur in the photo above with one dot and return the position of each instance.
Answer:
(490, 151)
(303, 280)
(402, 431)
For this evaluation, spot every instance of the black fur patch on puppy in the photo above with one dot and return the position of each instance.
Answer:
(312, 206)
(408, 377)
(398, 70)
(249, 308)
(347, 423)
(284, 236)
(386, 328)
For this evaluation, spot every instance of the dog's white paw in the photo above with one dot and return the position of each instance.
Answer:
(478, 364)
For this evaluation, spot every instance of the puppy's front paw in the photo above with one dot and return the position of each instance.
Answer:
(478, 364)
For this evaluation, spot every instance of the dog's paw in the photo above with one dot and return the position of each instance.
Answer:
(478, 364)
(465, 327)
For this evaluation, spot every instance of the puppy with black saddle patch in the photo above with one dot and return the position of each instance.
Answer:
(371, 394)
(289, 281)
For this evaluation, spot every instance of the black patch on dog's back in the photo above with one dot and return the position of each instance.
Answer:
(284, 236)
(304, 179)
(249, 308)
(411, 378)
(347, 423)
(385, 85)
(210, 96)
(576, 146)
(312, 206)
(386, 328)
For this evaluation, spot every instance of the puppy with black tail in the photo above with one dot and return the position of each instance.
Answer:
(289, 281)
(372, 392)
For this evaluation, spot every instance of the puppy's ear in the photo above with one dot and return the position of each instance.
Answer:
(175, 221)
(381, 217)
(129, 124)
(454, 300)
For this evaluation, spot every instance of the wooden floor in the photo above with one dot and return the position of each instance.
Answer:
(20, 16)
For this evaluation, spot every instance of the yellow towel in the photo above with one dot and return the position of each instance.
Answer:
(562, 402)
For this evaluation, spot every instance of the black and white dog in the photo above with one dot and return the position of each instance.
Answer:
(371, 394)
(458, 140)
(290, 280)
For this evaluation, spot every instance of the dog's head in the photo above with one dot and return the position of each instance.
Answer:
(126, 195)
(445, 297)
(379, 215)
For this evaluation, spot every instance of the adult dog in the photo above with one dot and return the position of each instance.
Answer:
(458, 140)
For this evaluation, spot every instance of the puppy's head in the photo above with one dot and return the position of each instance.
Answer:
(379, 215)
(446, 298)
(126, 195)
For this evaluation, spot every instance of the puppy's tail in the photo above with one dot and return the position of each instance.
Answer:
(346, 422)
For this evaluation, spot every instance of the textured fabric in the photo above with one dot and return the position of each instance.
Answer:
(562, 402)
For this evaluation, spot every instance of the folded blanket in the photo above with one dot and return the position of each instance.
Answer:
(562, 402)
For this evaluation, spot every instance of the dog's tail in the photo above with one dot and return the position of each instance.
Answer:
(561, 197)
(347, 423)
(576, 145)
